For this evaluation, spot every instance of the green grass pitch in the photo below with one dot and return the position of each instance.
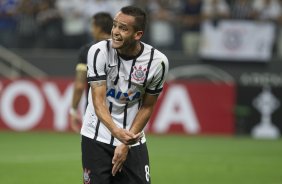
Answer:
(54, 158)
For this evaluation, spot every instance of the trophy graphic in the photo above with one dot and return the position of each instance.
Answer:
(266, 103)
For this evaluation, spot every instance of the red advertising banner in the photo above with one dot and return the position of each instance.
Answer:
(195, 108)
(183, 107)
(27, 104)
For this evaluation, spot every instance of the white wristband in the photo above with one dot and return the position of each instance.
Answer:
(73, 112)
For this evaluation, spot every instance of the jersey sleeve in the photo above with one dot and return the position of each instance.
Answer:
(156, 85)
(96, 63)
(82, 56)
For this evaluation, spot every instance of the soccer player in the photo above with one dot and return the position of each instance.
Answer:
(100, 30)
(126, 76)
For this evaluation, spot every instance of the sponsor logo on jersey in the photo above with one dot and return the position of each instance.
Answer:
(127, 96)
(138, 73)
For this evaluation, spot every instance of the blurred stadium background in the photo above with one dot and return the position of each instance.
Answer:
(219, 119)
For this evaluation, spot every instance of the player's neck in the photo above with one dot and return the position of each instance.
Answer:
(132, 51)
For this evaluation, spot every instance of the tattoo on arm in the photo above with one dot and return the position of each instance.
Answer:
(95, 84)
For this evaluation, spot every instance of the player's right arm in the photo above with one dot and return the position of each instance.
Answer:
(96, 61)
(79, 86)
(98, 90)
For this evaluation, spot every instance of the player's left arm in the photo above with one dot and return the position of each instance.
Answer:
(144, 113)
(150, 98)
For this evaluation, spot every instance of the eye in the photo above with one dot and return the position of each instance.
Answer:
(123, 28)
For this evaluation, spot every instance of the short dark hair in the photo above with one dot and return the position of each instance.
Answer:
(139, 15)
(103, 20)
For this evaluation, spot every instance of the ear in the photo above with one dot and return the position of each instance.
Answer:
(138, 35)
(98, 29)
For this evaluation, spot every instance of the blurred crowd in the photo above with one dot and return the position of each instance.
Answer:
(174, 24)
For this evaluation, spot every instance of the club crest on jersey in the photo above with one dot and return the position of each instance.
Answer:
(139, 73)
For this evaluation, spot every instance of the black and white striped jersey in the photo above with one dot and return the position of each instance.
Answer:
(128, 79)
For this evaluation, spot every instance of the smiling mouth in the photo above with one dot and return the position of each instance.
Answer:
(116, 39)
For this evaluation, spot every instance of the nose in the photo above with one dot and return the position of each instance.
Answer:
(115, 31)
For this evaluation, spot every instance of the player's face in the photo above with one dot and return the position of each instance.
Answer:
(95, 30)
(123, 34)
